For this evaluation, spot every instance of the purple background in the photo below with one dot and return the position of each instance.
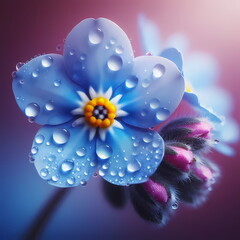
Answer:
(33, 27)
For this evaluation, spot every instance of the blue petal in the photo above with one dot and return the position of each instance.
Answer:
(43, 90)
(152, 92)
(216, 98)
(149, 35)
(178, 41)
(130, 155)
(173, 55)
(63, 155)
(192, 99)
(225, 149)
(98, 54)
(200, 69)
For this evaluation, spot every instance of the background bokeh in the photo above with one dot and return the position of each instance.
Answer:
(36, 27)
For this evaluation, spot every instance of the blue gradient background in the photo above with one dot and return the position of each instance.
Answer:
(32, 27)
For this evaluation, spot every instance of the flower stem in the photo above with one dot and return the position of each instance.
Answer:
(45, 214)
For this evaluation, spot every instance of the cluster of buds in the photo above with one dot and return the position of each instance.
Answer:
(184, 176)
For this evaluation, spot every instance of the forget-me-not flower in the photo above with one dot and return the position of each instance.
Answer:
(97, 103)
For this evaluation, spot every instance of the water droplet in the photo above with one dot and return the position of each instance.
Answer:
(112, 41)
(158, 70)
(104, 151)
(155, 144)
(144, 113)
(14, 73)
(101, 172)
(31, 119)
(83, 182)
(47, 61)
(121, 174)
(39, 139)
(134, 166)
(92, 164)
(113, 173)
(105, 166)
(71, 180)
(55, 178)
(119, 50)
(61, 135)
(175, 206)
(21, 81)
(131, 82)
(82, 57)
(44, 172)
(60, 150)
(148, 54)
(49, 106)
(146, 83)
(95, 36)
(162, 114)
(57, 83)
(71, 52)
(115, 63)
(154, 103)
(35, 74)
(19, 65)
(67, 166)
(81, 152)
(31, 158)
(59, 47)
(51, 158)
(32, 110)
(147, 139)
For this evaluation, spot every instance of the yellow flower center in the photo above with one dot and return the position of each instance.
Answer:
(100, 112)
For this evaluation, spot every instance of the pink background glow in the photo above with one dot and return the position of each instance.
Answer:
(33, 27)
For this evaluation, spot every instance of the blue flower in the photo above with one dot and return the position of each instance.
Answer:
(97, 103)
(201, 72)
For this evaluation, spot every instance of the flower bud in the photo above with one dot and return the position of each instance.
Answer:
(179, 157)
(202, 172)
(157, 191)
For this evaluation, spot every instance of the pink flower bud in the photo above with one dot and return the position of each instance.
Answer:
(157, 191)
(202, 172)
(179, 157)
(201, 129)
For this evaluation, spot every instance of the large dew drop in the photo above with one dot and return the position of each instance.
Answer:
(104, 151)
(95, 36)
(158, 70)
(115, 63)
(71, 180)
(49, 106)
(32, 110)
(131, 82)
(39, 139)
(47, 61)
(61, 135)
(67, 166)
(133, 166)
(44, 172)
(162, 114)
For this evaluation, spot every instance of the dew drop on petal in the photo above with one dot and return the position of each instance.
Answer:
(155, 144)
(81, 152)
(34, 150)
(104, 151)
(162, 114)
(47, 61)
(49, 106)
(133, 166)
(83, 182)
(39, 139)
(147, 139)
(119, 50)
(14, 73)
(131, 82)
(175, 206)
(158, 70)
(154, 103)
(19, 65)
(35, 74)
(55, 178)
(67, 166)
(32, 110)
(44, 172)
(95, 36)
(71, 180)
(21, 81)
(57, 83)
(115, 63)
(146, 83)
(61, 135)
